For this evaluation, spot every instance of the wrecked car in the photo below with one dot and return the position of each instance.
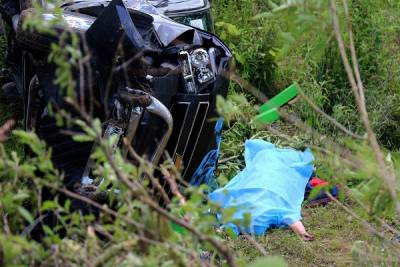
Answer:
(153, 80)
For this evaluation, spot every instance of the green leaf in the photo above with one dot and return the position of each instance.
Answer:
(48, 205)
(263, 15)
(288, 37)
(239, 58)
(48, 230)
(229, 231)
(82, 138)
(26, 214)
(246, 219)
(67, 205)
(20, 196)
(230, 28)
(317, 190)
(30, 139)
(227, 214)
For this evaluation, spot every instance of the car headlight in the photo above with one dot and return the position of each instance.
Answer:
(200, 58)
(204, 75)
(196, 69)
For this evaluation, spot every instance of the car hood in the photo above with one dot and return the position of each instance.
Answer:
(166, 29)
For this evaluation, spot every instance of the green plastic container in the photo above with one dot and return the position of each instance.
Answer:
(269, 112)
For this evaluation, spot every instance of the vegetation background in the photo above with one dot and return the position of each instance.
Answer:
(274, 43)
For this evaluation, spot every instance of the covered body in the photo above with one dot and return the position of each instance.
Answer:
(270, 188)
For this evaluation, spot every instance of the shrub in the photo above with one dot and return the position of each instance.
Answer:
(251, 41)
(376, 33)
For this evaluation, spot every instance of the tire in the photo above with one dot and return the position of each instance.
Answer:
(32, 40)
(35, 41)
(25, 4)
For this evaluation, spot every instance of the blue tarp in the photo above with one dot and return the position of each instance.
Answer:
(205, 173)
(270, 188)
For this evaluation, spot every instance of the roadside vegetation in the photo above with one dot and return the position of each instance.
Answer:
(297, 44)
(275, 43)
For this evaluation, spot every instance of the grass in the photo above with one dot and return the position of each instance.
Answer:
(323, 79)
(9, 108)
(334, 231)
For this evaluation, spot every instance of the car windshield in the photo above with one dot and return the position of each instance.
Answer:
(169, 5)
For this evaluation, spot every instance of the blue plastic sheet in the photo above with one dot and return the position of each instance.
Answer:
(205, 173)
(270, 188)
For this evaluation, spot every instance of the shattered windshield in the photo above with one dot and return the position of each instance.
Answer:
(165, 5)
(140, 5)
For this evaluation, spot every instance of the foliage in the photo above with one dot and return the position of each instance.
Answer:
(274, 43)
(306, 51)
(323, 79)
(250, 40)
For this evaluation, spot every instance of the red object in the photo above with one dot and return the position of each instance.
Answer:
(318, 182)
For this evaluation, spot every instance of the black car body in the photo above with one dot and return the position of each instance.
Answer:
(180, 68)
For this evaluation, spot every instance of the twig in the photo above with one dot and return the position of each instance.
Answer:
(6, 226)
(103, 208)
(354, 59)
(81, 84)
(248, 87)
(330, 118)
(358, 91)
(135, 188)
(112, 250)
(170, 178)
(154, 181)
(364, 222)
(383, 222)
(5, 129)
(100, 229)
(228, 159)
(257, 245)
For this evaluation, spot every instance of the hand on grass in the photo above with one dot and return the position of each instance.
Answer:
(299, 229)
(306, 237)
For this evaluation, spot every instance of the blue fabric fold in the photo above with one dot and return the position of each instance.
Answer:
(205, 173)
(271, 187)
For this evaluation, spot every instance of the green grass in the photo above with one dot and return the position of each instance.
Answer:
(334, 232)
(10, 108)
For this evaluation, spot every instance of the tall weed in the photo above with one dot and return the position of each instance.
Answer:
(251, 40)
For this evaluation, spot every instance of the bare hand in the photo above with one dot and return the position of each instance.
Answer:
(299, 229)
(306, 237)
(5, 129)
